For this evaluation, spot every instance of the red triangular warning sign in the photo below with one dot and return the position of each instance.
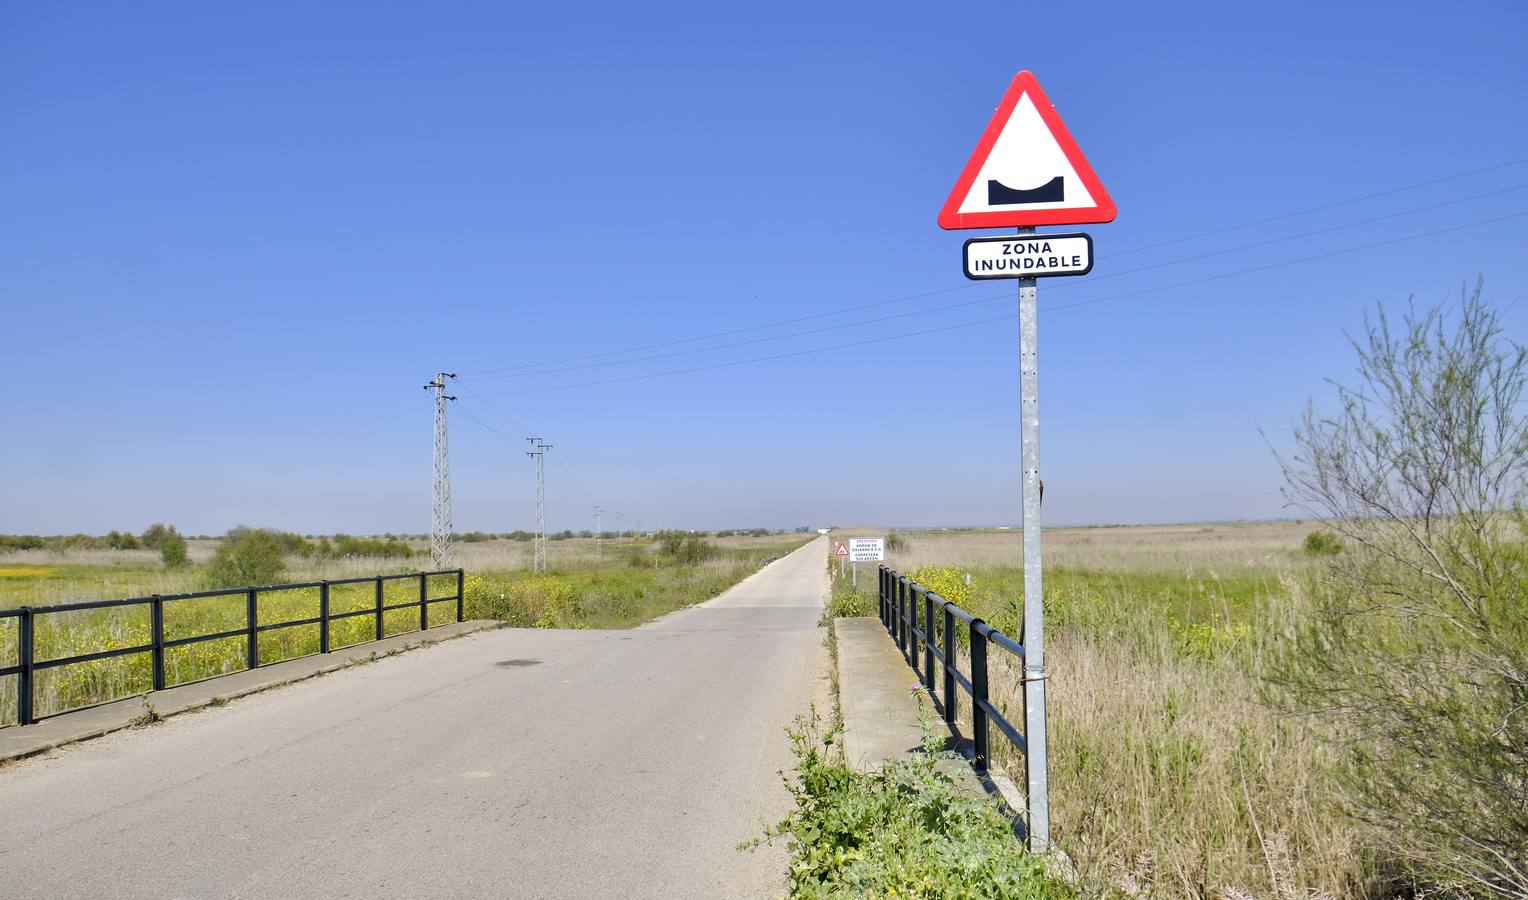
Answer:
(1026, 170)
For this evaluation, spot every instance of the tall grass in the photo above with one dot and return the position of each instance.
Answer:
(1169, 776)
(79, 632)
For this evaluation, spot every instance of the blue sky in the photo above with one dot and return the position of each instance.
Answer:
(235, 242)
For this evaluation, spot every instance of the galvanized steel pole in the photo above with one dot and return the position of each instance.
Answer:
(1034, 616)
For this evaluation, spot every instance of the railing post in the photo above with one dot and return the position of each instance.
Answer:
(949, 663)
(252, 633)
(25, 638)
(323, 616)
(979, 695)
(902, 600)
(424, 608)
(902, 616)
(880, 595)
(912, 626)
(379, 607)
(461, 576)
(929, 639)
(156, 627)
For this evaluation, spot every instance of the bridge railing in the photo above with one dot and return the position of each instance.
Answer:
(29, 618)
(923, 624)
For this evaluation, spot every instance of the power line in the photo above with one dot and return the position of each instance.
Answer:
(468, 413)
(1329, 254)
(919, 296)
(502, 414)
(1305, 234)
(750, 341)
(578, 487)
(837, 312)
(1002, 318)
(1324, 207)
(1003, 296)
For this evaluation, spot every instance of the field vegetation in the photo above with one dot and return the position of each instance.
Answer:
(907, 829)
(1169, 775)
(1336, 707)
(618, 582)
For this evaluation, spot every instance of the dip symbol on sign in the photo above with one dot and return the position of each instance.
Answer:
(999, 194)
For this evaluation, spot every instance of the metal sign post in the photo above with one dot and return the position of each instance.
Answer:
(1033, 637)
(1025, 171)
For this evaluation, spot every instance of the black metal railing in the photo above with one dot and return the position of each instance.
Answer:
(901, 600)
(28, 665)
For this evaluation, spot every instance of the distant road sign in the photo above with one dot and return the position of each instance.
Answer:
(839, 549)
(1028, 256)
(1026, 170)
(867, 549)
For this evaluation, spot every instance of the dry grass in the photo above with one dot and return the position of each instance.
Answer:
(1169, 777)
(582, 553)
(1136, 548)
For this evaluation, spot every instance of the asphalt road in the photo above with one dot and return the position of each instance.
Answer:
(512, 763)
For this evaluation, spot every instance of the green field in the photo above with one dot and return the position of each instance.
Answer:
(620, 584)
(1169, 776)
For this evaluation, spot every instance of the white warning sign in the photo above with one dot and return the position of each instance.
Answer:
(1028, 256)
(867, 549)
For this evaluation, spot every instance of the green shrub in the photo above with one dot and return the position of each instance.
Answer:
(543, 601)
(895, 543)
(848, 602)
(905, 830)
(684, 549)
(345, 545)
(247, 556)
(951, 584)
(80, 542)
(1322, 543)
(1416, 656)
(172, 550)
(155, 533)
(118, 540)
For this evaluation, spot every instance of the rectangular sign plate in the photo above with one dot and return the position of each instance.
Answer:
(1028, 256)
(867, 549)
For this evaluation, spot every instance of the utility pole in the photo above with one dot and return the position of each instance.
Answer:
(541, 447)
(599, 533)
(440, 525)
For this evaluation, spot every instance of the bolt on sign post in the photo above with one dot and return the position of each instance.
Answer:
(1028, 171)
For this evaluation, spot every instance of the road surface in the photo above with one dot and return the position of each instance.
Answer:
(511, 763)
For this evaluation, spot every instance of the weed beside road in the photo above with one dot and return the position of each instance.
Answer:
(904, 830)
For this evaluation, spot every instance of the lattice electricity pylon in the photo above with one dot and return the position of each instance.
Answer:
(440, 525)
(599, 533)
(541, 447)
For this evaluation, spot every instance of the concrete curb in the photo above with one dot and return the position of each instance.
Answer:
(881, 719)
(21, 742)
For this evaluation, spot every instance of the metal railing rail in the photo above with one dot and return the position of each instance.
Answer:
(28, 665)
(900, 602)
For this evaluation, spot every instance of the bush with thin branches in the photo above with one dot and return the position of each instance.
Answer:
(1416, 655)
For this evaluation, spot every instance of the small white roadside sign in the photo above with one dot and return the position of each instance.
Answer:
(1028, 256)
(867, 549)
